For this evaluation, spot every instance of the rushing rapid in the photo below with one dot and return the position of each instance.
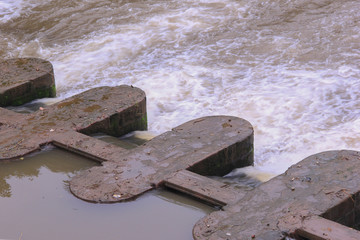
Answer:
(291, 68)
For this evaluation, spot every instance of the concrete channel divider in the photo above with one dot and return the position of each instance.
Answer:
(209, 145)
(111, 110)
(318, 228)
(87, 146)
(315, 199)
(204, 188)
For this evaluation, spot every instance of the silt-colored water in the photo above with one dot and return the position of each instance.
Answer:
(36, 203)
(291, 68)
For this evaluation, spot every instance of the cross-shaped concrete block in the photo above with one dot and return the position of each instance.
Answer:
(318, 198)
(112, 110)
(207, 146)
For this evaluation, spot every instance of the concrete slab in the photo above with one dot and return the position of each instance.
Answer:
(111, 110)
(318, 228)
(290, 203)
(25, 79)
(207, 146)
(204, 188)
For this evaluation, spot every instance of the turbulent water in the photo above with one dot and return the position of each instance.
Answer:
(291, 68)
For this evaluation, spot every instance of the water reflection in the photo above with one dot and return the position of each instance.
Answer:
(55, 160)
(36, 203)
(5, 190)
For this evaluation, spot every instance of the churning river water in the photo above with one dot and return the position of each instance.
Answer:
(290, 67)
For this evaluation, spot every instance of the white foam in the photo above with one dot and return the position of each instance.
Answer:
(205, 58)
(253, 172)
(348, 71)
(9, 9)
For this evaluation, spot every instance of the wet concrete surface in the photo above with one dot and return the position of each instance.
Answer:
(112, 110)
(25, 79)
(206, 146)
(285, 205)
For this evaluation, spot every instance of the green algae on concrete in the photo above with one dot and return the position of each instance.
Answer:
(25, 79)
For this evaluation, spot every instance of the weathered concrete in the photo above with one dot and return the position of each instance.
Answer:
(318, 228)
(25, 79)
(311, 200)
(209, 145)
(325, 185)
(204, 188)
(112, 110)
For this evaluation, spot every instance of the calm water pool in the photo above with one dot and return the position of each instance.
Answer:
(36, 203)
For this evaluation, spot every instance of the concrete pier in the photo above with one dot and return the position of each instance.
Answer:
(25, 79)
(318, 198)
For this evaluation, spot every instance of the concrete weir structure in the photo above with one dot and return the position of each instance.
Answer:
(25, 79)
(318, 198)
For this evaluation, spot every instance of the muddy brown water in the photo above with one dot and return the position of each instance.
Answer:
(36, 203)
(291, 68)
